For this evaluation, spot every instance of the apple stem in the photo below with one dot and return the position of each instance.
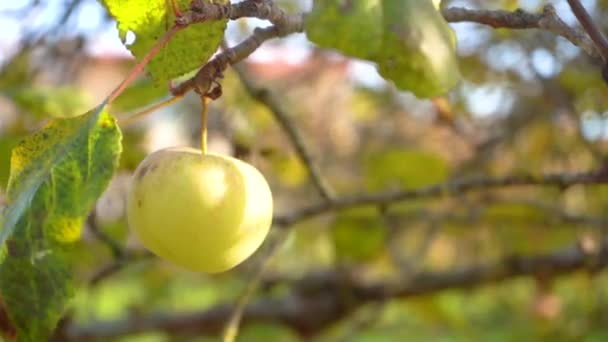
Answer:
(205, 103)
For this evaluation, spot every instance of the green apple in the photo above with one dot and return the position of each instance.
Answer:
(203, 212)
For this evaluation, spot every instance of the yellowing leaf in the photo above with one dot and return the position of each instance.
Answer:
(56, 176)
(149, 20)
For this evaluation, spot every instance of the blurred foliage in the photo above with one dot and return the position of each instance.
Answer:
(358, 235)
(43, 103)
(403, 169)
(517, 110)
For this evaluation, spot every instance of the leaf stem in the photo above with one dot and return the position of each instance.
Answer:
(139, 67)
(139, 115)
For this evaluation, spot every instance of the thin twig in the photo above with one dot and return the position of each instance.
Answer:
(108, 270)
(587, 23)
(233, 323)
(113, 245)
(271, 101)
(548, 20)
(116, 266)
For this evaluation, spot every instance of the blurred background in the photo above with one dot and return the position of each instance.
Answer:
(530, 102)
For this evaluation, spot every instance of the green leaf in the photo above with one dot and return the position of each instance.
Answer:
(418, 48)
(56, 176)
(149, 20)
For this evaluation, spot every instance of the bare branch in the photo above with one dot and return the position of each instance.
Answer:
(108, 270)
(519, 19)
(207, 76)
(202, 11)
(585, 19)
(453, 188)
(117, 265)
(308, 310)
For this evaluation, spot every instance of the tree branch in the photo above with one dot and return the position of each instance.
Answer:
(285, 24)
(117, 265)
(585, 20)
(206, 77)
(453, 188)
(548, 20)
(202, 11)
(113, 245)
(332, 296)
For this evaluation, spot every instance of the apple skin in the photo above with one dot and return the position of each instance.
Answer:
(204, 212)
